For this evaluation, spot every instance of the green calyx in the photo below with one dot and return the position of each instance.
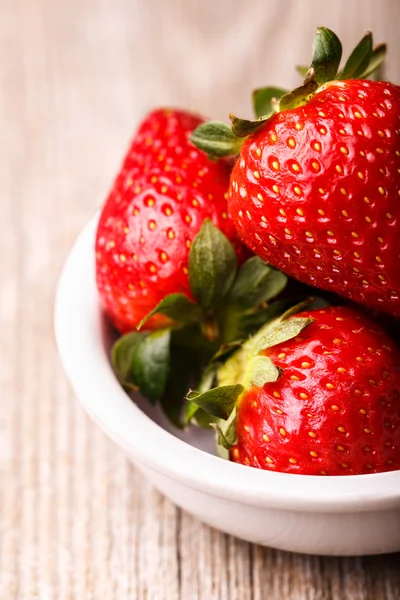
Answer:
(230, 303)
(218, 402)
(142, 362)
(217, 139)
(226, 295)
(247, 367)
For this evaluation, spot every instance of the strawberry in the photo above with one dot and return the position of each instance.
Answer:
(314, 394)
(164, 191)
(315, 190)
(168, 257)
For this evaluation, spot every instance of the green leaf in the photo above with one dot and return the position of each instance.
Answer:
(263, 100)
(273, 330)
(151, 362)
(203, 419)
(378, 55)
(177, 307)
(265, 324)
(298, 96)
(243, 127)
(277, 312)
(302, 70)
(212, 265)
(184, 373)
(190, 411)
(241, 325)
(216, 139)
(249, 323)
(256, 282)
(196, 415)
(122, 356)
(193, 412)
(228, 438)
(358, 60)
(327, 52)
(287, 330)
(253, 345)
(226, 435)
(261, 370)
(218, 402)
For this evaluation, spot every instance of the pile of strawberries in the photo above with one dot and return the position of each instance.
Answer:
(210, 242)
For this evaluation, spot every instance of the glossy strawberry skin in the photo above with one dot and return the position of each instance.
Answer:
(316, 192)
(161, 196)
(336, 408)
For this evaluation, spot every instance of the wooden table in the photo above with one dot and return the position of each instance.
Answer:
(77, 521)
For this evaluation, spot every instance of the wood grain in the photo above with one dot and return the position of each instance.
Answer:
(77, 521)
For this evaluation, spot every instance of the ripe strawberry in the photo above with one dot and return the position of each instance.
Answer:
(316, 192)
(316, 188)
(168, 256)
(166, 188)
(333, 407)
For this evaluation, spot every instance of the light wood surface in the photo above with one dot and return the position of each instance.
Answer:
(77, 521)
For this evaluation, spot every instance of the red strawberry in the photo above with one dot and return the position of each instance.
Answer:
(165, 190)
(316, 188)
(316, 192)
(334, 409)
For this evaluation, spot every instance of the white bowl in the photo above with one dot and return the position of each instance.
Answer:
(353, 515)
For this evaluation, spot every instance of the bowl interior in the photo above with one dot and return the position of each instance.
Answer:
(195, 436)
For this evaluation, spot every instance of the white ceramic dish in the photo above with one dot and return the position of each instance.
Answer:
(351, 515)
